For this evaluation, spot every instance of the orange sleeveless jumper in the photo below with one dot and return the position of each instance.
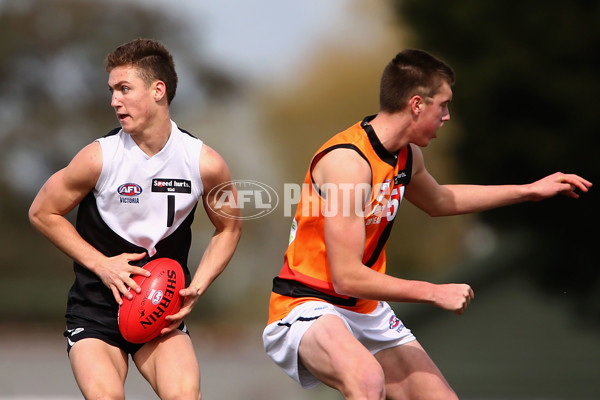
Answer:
(305, 275)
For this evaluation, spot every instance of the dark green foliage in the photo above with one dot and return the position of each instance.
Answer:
(526, 99)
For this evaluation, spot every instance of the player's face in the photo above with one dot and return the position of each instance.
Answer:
(131, 98)
(434, 113)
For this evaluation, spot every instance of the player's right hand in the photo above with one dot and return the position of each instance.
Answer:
(116, 273)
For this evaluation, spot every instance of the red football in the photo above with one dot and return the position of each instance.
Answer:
(143, 317)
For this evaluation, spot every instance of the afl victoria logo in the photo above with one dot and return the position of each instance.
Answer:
(249, 200)
(129, 189)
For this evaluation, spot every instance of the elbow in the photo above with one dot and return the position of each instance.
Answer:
(344, 286)
(237, 227)
(38, 218)
(340, 288)
(34, 218)
(435, 213)
(440, 208)
(439, 204)
(431, 208)
(235, 230)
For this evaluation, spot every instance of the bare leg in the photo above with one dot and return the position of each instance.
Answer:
(330, 352)
(99, 368)
(169, 363)
(411, 374)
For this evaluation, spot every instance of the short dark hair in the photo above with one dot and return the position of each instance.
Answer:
(412, 72)
(151, 58)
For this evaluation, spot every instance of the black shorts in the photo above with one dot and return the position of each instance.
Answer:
(81, 328)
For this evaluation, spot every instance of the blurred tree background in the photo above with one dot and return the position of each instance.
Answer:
(525, 103)
(54, 100)
(524, 106)
(526, 98)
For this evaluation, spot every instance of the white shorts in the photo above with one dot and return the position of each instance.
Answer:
(377, 331)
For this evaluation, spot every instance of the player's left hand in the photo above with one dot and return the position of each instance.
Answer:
(559, 183)
(190, 298)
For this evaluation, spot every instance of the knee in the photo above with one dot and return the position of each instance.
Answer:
(187, 393)
(374, 385)
(421, 391)
(450, 395)
(106, 395)
(191, 395)
(369, 384)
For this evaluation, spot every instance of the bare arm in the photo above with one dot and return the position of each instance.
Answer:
(222, 245)
(62, 193)
(345, 241)
(440, 200)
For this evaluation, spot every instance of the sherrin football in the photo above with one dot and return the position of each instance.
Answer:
(143, 317)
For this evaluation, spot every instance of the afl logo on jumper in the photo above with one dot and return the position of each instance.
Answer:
(129, 189)
(129, 193)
